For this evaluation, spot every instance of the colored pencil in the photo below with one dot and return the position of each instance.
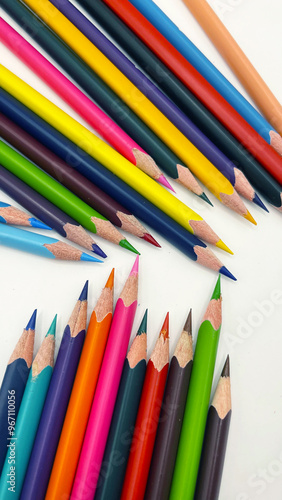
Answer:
(169, 428)
(13, 215)
(168, 108)
(121, 431)
(71, 439)
(238, 61)
(191, 246)
(185, 100)
(198, 164)
(75, 182)
(147, 419)
(193, 80)
(44, 246)
(181, 42)
(20, 447)
(39, 206)
(96, 118)
(110, 158)
(13, 385)
(96, 89)
(196, 409)
(95, 438)
(53, 413)
(62, 198)
(215, 441)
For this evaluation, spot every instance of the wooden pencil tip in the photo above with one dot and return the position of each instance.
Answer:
(217, 290)
(165, 328)
(226, 369)
(110, 282)
(250, 218)
(143, 325)
(188, 324)
(32, 321)
(135, 267)
(52, 328)
(84, 293)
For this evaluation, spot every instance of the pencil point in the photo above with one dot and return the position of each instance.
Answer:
(32, 321)
(52, 329)
(223, 270)
(257, 201)
(226, 369)
(224, 247)
(149, 238)
(165, 328)
(250, 218)
(217, 290)
(205, 198)
(84, 293)
(125, 244)
(37, 223)
(110, 282)
(188, 324)
(89, 258)
(163, 180)
(96, 249)
(135, 267)
(143, 325)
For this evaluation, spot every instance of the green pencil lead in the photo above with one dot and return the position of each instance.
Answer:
(125, 244)
(143, 325)
(52, 329)
(217, 290)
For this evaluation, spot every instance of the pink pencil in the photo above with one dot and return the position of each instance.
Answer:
(95, 438)
(86, 108)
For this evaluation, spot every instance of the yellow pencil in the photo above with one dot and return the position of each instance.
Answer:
(206, 172)
(110, 158)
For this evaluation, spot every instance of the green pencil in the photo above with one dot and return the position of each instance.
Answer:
(196, 410)
(53, 191)
(21, 443)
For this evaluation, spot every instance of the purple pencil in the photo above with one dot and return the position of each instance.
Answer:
(48, 434)
(163, 103)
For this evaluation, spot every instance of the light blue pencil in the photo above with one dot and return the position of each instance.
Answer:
(21, 443)
(13, 215)
(202, 64)
(41, 245)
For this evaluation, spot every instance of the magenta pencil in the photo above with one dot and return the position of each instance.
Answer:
(86, 108)
(97, 430)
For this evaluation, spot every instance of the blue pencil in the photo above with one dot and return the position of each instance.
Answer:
(41, 245)
(13, 385)
(182, 43)
(13, 215)
(20, 447)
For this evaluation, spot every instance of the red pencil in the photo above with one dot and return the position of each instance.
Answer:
(147, 419)
(197, 84)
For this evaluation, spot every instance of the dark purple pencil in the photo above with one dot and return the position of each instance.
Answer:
(53, 414)
(163, 103)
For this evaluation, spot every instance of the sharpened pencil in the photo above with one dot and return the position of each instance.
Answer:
(13, 384)
(17, 217)
(29, 416)
(99, 421)
(53, 413)
(75, 422)
(121, 431)
(215, 441)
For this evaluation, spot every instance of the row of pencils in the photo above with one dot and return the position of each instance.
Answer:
(101, 423)
(166, 116)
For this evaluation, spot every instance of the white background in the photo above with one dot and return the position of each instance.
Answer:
(252, 328)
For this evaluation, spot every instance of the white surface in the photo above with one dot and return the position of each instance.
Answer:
(252, 327)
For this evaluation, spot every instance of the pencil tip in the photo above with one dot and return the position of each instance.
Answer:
(135, 267)
(217, 289)
(188, 324)
(89, 258)
(163, 180)
(143, 325)
(52, 328)
(32, 321)
(206, 199)
(257, 201)
(221, 244)
(110, 282)
(165, 328)
(223, 270)
(226, 369)
(96, 249)
(38, 224)
(149, 238)
(84, 293)
(125, 244)
(250, 218)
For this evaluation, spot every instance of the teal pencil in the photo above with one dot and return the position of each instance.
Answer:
(21, 443)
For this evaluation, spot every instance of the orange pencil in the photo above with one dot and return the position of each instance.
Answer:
(147, 420)
(67, 455)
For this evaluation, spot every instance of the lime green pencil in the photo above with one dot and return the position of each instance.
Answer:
(53, 191)
(21, 442)
(196, 410)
